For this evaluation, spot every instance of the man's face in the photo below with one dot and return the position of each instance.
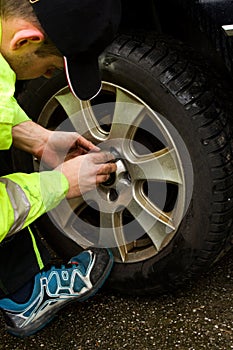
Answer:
(30, 66)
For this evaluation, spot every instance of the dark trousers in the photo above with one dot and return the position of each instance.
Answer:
(18, 262)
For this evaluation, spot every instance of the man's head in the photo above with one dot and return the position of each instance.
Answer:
(47, 30)
(25, 45)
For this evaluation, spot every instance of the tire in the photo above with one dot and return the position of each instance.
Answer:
(187, 100)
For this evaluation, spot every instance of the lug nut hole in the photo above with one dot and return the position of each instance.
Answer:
(113, 195)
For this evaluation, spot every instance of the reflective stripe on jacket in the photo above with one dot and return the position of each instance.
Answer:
(19, 203)
(25, 197)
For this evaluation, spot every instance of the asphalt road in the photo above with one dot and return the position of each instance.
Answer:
(195, 318)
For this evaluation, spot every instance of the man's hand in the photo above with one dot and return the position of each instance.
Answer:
(84, 173)
(62, 146)
(52, 147)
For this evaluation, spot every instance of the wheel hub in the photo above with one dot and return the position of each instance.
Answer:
(118, 188)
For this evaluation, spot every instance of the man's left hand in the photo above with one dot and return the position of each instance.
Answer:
(50, 147)
(62, 146)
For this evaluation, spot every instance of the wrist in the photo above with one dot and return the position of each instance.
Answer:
(30, 137)
(38, 147)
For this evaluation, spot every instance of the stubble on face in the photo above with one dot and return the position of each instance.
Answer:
(30, 66)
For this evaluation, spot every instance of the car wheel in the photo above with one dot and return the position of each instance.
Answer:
(167, 212)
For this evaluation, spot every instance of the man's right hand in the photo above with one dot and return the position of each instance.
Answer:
(87, 171)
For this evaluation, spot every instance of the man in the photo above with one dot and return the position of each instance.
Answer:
(37, 37)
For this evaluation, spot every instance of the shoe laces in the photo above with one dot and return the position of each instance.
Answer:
(61, 266)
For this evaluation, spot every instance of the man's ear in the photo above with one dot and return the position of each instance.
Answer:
(26, 37)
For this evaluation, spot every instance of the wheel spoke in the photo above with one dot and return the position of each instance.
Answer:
(69, 102)
(67, 209)
(112, 235)
(127, 116)
(82, 117)
(76, 203)
(159, 166)
(155, 223)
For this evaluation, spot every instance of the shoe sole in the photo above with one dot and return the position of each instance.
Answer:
(44, 320)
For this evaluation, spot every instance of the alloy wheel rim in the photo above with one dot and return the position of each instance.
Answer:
(138, 213)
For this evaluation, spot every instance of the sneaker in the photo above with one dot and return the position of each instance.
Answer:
(55, 288)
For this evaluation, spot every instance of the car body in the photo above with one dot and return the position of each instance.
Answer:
(205, 25)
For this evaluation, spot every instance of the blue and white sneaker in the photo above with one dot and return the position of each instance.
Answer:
(55, 288)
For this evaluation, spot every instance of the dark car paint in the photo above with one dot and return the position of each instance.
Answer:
(196, 22)
(220, 11)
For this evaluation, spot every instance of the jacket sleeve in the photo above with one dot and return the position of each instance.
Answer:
(25, 197)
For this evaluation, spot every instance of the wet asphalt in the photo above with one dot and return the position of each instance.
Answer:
(194, 318)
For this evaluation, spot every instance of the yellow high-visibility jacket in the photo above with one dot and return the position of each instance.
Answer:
(23, 197)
